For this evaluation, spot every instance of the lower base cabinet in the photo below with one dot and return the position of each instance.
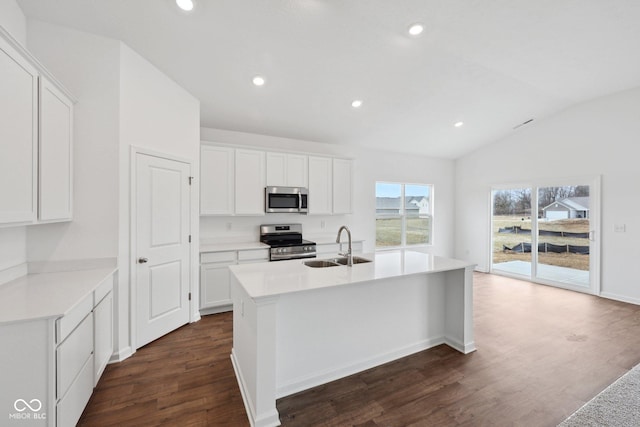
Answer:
(215, 279)
(51, 366)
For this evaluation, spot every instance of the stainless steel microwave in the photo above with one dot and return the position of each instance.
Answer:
(286, 200)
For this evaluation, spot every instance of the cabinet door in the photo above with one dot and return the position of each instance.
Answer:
(276, 169)
(103, 335)
(216, 180)
(320, 185)
(215, 283)
(250, 182)
(342, 186)
(56, 145)
(297, 170)
(18, 137)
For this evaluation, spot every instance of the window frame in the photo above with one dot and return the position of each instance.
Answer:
(402, 215)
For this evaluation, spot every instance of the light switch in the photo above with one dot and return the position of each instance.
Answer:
(619, 228)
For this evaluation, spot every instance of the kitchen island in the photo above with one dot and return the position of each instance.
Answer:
(296, 327)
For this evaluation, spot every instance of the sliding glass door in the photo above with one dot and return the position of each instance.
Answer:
(555, 242)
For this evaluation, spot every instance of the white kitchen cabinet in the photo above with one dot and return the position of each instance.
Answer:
(59, 329)
(217, 180)
(320, 185)
(103, 330)
(55, 196)
(18, 136)
(287, 169)
(215, 280)
(342, 186)
(250, 182)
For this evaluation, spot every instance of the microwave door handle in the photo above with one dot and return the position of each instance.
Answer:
(299, 201)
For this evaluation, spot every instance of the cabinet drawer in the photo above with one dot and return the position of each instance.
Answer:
(254, 255)
(218, 257)
(72, 354)
(66, 324)
(70, 408)
(102, 290)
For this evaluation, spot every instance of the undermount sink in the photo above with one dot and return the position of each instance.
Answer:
(356, 260)
(321, 263)
(334, 262)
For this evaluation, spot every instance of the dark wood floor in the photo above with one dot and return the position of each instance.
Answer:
(542, 353)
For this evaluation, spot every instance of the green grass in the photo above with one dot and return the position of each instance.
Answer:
(388, 231)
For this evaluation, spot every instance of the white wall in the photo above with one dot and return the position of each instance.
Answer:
(123, 100)
(158, 115)
(88, 66)
(13, 240)
(13, 20)
(599, 137)
(369, 166)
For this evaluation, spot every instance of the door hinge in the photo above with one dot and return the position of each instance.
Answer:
(190, 180)
(189, 296)
(189, 238)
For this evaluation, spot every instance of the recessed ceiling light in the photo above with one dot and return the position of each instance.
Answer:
(416, 29)
(356, 103)
(185, 4)
(258, 81)
(458, 124)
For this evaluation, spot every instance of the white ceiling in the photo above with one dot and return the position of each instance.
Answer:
(492, 64)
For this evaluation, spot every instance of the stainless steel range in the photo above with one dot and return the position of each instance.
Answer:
(286, 242)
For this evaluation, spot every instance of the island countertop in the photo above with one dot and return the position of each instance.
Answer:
(283, 277)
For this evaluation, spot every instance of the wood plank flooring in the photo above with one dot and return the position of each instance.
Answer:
(542, 353)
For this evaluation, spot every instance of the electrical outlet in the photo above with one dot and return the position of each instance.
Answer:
(619, 228)
(322, 224)
(229, 226)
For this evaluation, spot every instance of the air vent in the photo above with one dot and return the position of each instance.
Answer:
(522, 124)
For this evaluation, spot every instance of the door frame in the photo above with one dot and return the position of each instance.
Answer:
(595, 220)
(133, 247)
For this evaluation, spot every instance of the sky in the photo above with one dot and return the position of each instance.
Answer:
(388, 189)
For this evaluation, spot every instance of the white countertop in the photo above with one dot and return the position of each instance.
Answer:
(47, 295)
(223, 247)
(282, 277)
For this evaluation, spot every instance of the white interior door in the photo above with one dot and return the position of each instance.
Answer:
(162, 246)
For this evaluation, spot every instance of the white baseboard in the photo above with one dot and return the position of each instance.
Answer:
(121, 355)
(12, 273)
(620, 298)
(216, 310)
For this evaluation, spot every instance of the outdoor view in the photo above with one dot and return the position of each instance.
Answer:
(563, 227)
(403, 214)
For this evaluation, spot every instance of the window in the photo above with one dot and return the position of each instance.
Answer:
(403, 214)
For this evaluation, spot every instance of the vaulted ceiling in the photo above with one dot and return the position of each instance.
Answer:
(491, 64)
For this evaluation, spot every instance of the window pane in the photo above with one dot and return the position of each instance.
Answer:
(388, 198)
(416, 200)
(388, 232)
(418, 230)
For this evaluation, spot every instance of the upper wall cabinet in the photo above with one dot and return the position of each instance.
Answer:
(320, 185)
(289, 170)
(250, 182)
(217, 183)
(56, 151)
(342, 186)
(35, 179)
(18, 136)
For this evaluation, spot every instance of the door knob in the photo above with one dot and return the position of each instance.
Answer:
(142, 260)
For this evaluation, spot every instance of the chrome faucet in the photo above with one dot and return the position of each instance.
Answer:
(349, 254)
